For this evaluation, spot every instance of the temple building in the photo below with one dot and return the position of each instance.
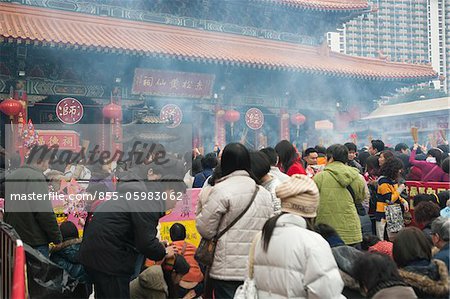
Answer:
(252, 71)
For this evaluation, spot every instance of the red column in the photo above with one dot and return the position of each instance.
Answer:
(284, 125)
(220, 134)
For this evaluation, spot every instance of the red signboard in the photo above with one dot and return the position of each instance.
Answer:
(172, 84)
(69, 111)
(413, 188)
(65, 139)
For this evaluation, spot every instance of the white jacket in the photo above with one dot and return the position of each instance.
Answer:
(228, 198)
(298, 264)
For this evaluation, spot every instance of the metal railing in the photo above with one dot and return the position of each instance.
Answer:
(12, 264)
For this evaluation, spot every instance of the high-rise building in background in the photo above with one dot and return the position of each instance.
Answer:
(401, 30)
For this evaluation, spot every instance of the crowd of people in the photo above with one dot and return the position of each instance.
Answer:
(330, 222)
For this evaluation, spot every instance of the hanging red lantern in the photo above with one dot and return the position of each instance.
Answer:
(11, 107)
(112, 111)
(298, 119)
(232, 116)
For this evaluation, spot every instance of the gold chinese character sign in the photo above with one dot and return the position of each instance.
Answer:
(173, 84)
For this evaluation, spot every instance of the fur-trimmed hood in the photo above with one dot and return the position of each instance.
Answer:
(426, 286)
(65, 244)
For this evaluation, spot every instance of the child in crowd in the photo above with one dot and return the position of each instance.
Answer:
(192, 282)
(160, 281)
(65, 255)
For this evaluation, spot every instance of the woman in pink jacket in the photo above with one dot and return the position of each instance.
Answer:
(431, 168)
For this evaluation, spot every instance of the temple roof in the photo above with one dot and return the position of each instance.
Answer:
(75, 30)
(324, 4)
(423, 106)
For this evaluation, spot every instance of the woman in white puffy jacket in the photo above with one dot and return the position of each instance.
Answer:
(226, 201)
(290, 260)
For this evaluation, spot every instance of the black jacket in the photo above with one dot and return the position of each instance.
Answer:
(65, 255)
(120, 229)
(34, 220)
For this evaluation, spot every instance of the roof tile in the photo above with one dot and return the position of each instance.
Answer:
(31, 23)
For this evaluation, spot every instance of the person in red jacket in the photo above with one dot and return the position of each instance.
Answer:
(192, 282)
(289, 158)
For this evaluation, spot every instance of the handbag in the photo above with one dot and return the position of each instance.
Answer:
(248, 290)
(394, 218)
(204, 254)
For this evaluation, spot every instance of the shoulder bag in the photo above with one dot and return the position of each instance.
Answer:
(206, 249)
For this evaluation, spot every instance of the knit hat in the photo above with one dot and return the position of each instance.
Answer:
(383, 247)
(299, 195)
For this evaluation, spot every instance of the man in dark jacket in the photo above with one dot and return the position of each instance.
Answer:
(27, 202)
(121, 228)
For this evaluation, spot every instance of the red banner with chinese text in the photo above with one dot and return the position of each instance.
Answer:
(174, 84)
(65, 139)
(413, 188)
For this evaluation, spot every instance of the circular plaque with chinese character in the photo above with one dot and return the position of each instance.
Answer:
(69, 111)
(172, 113)
(254, 118)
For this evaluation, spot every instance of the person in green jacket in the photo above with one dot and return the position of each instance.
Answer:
(336, 184)
(31, 217)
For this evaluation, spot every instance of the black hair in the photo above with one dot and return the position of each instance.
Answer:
(418, 150)
(372, 269)
(446, 165)
(372, 165)
(338, 152)
(216, 175)
(424, 198)
(387, 154)
(351, 146)
(209, 161)
(391, 168)
(196, 165)
(271, 154)
(235, 156)
(68, 230)
(321, 149)
(410, 245)
(426, 211)
(177, 232)
(260, 164)
(268, 229)
(378, 145)
(444, 148)
(401, 146)
(309, 151)
(443, 198)
(368, 241)
(287, 153)
(436, 153)
(325, 230)
(270, 225)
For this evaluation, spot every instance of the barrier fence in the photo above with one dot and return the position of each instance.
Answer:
(12, 263)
